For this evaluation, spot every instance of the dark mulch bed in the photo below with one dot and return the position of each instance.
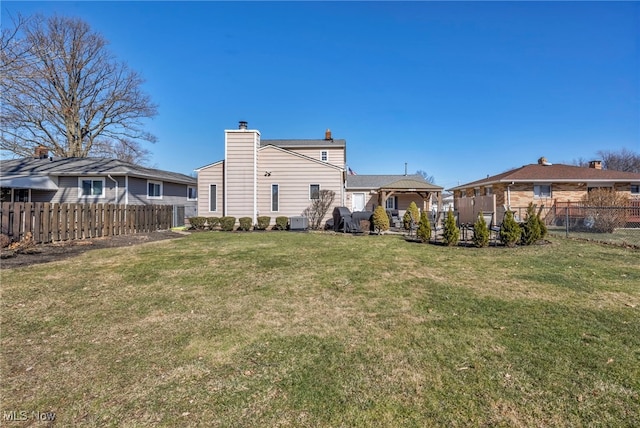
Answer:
(45, 253)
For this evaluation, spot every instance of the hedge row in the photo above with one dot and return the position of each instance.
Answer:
(245, 223)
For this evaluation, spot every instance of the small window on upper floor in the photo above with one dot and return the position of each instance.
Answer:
(324, 156)
(635, 189)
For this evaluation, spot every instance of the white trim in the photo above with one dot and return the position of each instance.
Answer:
(81, 194)
(161, 189)
(126, 190)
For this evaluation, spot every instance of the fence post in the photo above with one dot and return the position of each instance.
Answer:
(566, 222)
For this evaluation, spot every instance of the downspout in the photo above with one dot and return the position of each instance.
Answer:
(115, 181)
(126, 190)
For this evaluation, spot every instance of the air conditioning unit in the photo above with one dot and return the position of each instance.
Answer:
(298, 223)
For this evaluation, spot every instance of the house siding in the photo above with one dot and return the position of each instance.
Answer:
(68, 191)
(206, 177)
(335, 155)
(293, 174)
(240, 173)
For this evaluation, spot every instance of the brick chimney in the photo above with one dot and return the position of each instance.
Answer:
(595, 164)
(327, 134)
(41, 152)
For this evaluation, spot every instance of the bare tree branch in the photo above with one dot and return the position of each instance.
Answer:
(61, 88)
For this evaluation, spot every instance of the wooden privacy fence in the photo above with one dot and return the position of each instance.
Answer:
(49, 222)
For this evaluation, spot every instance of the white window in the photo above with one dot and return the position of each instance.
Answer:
(488, 191)
(314, 191)
(476, 192)
(392, 203)
(324, 155)
(90, 187)
(275, 197)
(635, 189)
(192, 193)
(154, 189)
(213, 198)
(542, 191)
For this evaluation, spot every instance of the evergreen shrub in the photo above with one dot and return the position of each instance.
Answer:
(227, 223)
(263, 222)
(380, 219)
(450, 232)
(282, 222)
(510, 230)
(480, 232)
(245, 223)
(424, 227)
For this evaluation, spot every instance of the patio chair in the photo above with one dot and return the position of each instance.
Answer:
(494, 229)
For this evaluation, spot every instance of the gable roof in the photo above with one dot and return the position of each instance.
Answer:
(87, 167)
(556, 173)
(397, 181)
(288, 144)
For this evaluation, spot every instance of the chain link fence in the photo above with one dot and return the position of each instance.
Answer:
(615, 225)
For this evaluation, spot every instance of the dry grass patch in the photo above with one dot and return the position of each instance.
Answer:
(267, 329)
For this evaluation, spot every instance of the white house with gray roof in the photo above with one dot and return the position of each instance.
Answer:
(94, 180)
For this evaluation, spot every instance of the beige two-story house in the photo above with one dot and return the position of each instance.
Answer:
(260, 177)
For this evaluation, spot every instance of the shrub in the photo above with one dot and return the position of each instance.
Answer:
(213, 222)
(318, 208)
(4, 240)
(480, 232)
(509, 230)
(197, 222)
(424, 228)
(450, 232)
(606, 209)
(263, 222)
(380, 219)
(543, 227)
(411, 216)
(245, 223)
(227, 223)
(282, 222)
(531, 232)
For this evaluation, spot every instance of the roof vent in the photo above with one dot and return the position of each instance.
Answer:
(543, 161)
(242, 124)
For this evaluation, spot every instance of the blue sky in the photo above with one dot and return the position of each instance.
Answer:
(458, 89)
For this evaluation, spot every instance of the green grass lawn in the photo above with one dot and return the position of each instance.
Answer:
(304, 329)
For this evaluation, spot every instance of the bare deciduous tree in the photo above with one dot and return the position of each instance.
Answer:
(428, 178)
(622, 160)
(61, 88)
(319, 208)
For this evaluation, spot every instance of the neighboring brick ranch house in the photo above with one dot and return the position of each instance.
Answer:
(93, 180)
(545, 184)
(282, 178)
